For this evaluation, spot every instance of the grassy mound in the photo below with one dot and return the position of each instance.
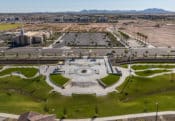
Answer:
(142, 67)
(137, 95)
(28, 72)
(110, 79)
(150, 72)
(23, 94)
(58, 79)
(124, 66)
(137, 87)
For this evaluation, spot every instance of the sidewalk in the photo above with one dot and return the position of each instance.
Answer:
(125, 117)
(112, 118)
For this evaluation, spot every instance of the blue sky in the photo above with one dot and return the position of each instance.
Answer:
(76, 5)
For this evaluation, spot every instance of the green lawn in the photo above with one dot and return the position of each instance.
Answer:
(139, 87)
(1, 67)
(18, 95)
(7, 26)
(150, 72)
(137, 95)
(28, 72)
(124, 66)
(110, 79)
(17, 103)
(58, 79)
(142, 67)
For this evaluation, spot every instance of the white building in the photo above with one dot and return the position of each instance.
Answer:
(31, 37)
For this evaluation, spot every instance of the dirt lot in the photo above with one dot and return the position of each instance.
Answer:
(69, 27)
(160, 34)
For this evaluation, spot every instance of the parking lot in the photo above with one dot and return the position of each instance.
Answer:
(88, 39)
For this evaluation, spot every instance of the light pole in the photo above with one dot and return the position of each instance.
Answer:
(157, 108)
(90, 51)
(39, 50)
(130, 50)
(168, 53)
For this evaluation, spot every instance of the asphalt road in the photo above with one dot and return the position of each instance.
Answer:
(85, 52)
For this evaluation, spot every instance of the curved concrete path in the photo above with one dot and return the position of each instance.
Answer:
(19, 74)
(153, 75)
(111, 118)
(98, 90)
(68, 91)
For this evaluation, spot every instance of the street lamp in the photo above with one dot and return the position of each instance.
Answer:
(157, 108)
(39, 50)
(130, 50)
(168, 53)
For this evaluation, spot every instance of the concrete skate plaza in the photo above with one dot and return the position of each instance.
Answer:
(83, 75)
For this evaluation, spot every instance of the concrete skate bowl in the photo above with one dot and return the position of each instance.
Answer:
(85, 71)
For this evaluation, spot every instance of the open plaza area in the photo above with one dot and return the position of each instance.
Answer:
(73, 86)
(84, 76)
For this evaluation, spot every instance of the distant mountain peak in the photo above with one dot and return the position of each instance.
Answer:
(146, 11)
(155, 10)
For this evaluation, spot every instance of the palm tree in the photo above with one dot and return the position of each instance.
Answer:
(44, 39)
(146, 53)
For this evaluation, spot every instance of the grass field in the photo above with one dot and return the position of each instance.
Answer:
(28, 72)
(137, 95)
(142, 67)
(18, 95)
(150, 72)
(110, 79)
(1, 67)
(124, 66)
(58, 79)
(7, 26)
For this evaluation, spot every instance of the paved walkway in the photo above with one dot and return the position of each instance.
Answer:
(125, 117)
(6, 115)
(46, 70)
(154, 64)
(93, 89)
(170, 71)
(19, 74)
(112, 118)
